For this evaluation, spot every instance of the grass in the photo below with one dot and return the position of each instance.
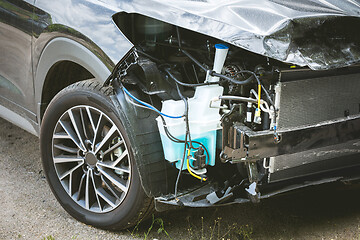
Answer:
(48, 238)
(194, 230)
(219, 231)
(52, 238)
(156, 223)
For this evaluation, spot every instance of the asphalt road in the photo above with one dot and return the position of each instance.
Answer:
(30, 211)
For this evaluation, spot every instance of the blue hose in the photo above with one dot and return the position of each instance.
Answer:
(148, 105)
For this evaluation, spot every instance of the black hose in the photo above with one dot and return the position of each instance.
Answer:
(186, 114)
(176, 140)
(187, 134)
(178, 37)
(246, 81)
(188, 84)
(267, 95)
(180, 170)
(194, 60)
(212, 73)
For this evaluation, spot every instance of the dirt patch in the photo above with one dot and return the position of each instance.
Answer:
(30, 211)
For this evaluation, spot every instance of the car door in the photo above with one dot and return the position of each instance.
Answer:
(16, 84)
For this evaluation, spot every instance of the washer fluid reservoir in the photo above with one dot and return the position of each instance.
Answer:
(203, 124)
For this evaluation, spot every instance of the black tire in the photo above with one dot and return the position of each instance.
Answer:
(125, 202)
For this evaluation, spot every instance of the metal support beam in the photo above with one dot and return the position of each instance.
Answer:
(261, 144)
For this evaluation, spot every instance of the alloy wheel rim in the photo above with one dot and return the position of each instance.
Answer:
(91, 159)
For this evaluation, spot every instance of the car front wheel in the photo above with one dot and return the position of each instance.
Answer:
(88, 159)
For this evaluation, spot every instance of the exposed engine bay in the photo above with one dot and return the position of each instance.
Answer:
(234, 124)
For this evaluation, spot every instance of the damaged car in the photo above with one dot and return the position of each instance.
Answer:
(152, 105)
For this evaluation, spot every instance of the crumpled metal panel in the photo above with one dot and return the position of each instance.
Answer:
(320, 34)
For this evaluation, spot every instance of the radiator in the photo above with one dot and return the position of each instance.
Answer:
(310, 101)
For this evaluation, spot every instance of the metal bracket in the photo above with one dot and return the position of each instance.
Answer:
(241, 144)
(236, 145)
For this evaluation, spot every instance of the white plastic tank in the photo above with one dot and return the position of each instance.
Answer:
(204, 121)
(203, 124)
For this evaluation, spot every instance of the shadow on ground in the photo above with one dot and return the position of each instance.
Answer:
(330, 211)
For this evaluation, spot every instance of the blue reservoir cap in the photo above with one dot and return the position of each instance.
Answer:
(221, 46)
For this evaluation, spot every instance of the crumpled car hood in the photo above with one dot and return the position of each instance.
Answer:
(319, 34)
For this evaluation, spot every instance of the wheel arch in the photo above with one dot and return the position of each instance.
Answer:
(64, 61)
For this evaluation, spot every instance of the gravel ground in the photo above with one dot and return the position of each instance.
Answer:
(30, 211)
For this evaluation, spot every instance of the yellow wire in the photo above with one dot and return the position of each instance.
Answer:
(259, 95)
(188, 168)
